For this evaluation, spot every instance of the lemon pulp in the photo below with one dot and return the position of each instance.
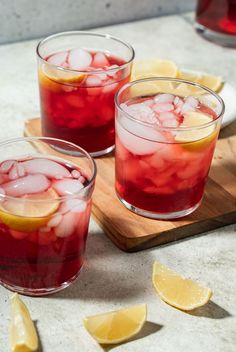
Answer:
(30, 212)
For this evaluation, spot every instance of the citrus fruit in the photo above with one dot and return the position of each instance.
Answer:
(29, 212)
(153, 68)
(177, 290)
(118, 326)
(51, 76)
(23, 336)
(196, 138)
(215, 83)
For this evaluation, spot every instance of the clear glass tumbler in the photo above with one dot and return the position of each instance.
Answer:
(45, 205)
(216, 21)
(79, 74)
(166, 131)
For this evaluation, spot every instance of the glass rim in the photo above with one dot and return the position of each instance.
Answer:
(95, 34)
(166, 128)
(59, 198)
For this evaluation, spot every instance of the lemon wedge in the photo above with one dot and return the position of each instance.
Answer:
(215, 83)
(178, 291)
(30, 212)
(23, 336)
(118, 326)
(153, 68)
(196, 139)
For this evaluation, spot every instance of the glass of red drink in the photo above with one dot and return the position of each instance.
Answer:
(216, 21)
(166, 131)
(45, 205)
(79, 74)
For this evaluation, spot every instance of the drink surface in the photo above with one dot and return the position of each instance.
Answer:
(79, 106)
(163, 160)
(42, 236)
(217, 15)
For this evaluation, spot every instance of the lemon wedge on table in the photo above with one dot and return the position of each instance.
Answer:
(153, 68)
(23, 336)
(199, 138)
(178, 291)
(31, 214)
(214, 83)
(118, 326)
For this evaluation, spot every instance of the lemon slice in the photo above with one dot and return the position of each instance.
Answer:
(23, 336)
(153, 68)
(198, 138)
(30, 212)
(49, 75)
(178, 291)
(215, 83)
(118, 326)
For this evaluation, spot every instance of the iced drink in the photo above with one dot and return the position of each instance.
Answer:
(77, 87)
(45, 205)
(216, 20)
(164, 146)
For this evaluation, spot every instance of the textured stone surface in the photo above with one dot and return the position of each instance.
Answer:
(110, 278)
(26, 19)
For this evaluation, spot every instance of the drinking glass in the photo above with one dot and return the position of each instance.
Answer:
(45, 205)
(166, 131)
(216, 21)
(79, 73)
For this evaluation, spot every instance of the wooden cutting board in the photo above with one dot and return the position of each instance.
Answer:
(131, 232)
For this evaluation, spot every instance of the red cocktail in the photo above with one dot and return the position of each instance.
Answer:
(164, 145)
(45, 205)
(79, 74)
(216, 20)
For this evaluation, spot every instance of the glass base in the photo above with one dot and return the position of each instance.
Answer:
(41, 291)
(93, 154)
(159, 216)
(216, 37)
(102, 152)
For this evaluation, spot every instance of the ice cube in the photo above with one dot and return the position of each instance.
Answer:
(79, 59)
(75, 173)
(67, 225)
(46, 167)
(164, 98)
(67, 186)
(163, 107)
(6, 166)
(93, 81)
(75, 205)
(55, 220)
(141, 112)
(13, 174)
(138, 139)
(58, 59)
(26, 185)
(100, 60)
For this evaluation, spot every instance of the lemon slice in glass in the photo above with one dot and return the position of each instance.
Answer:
(23, 336)
(30, 212)
(178, 291)
(118, 326)
(196, 139)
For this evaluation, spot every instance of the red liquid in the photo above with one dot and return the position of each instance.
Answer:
(38, 261)
(169, 179)
(79, 112)
(217, 15)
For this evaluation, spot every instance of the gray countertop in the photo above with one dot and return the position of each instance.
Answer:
(112, 279)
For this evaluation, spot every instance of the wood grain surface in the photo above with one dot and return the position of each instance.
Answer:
(131, 232)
